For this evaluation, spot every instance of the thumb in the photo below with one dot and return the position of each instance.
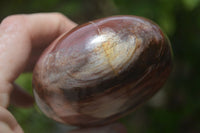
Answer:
(8, 124)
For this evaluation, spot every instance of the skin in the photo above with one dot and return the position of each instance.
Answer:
(22, 40)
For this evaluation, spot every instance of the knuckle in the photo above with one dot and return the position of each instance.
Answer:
(59, 15)
(65, 24)
(13, 23)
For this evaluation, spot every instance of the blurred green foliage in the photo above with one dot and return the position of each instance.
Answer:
(176, 107)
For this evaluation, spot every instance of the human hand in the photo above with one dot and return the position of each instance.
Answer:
(22, 40)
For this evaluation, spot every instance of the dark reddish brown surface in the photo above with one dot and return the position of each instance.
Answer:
(102, 70)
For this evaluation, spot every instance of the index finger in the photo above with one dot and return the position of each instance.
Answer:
(19, 35)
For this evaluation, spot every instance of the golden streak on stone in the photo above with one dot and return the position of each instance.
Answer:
(110, 54)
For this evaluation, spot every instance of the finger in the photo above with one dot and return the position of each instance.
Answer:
(5, 89)
(17, 97)
(4, 128)
(8, 122)
(113, 128)
(40, 40)
(4, 99)
(20, 37)
(21, 98)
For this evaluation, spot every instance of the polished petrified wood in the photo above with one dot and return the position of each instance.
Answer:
(102, 70)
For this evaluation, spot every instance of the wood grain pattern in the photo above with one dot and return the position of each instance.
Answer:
(102, 70)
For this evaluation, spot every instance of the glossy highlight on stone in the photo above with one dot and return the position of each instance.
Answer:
(102, 70)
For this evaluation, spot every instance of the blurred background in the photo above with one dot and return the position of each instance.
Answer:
(176, 108)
